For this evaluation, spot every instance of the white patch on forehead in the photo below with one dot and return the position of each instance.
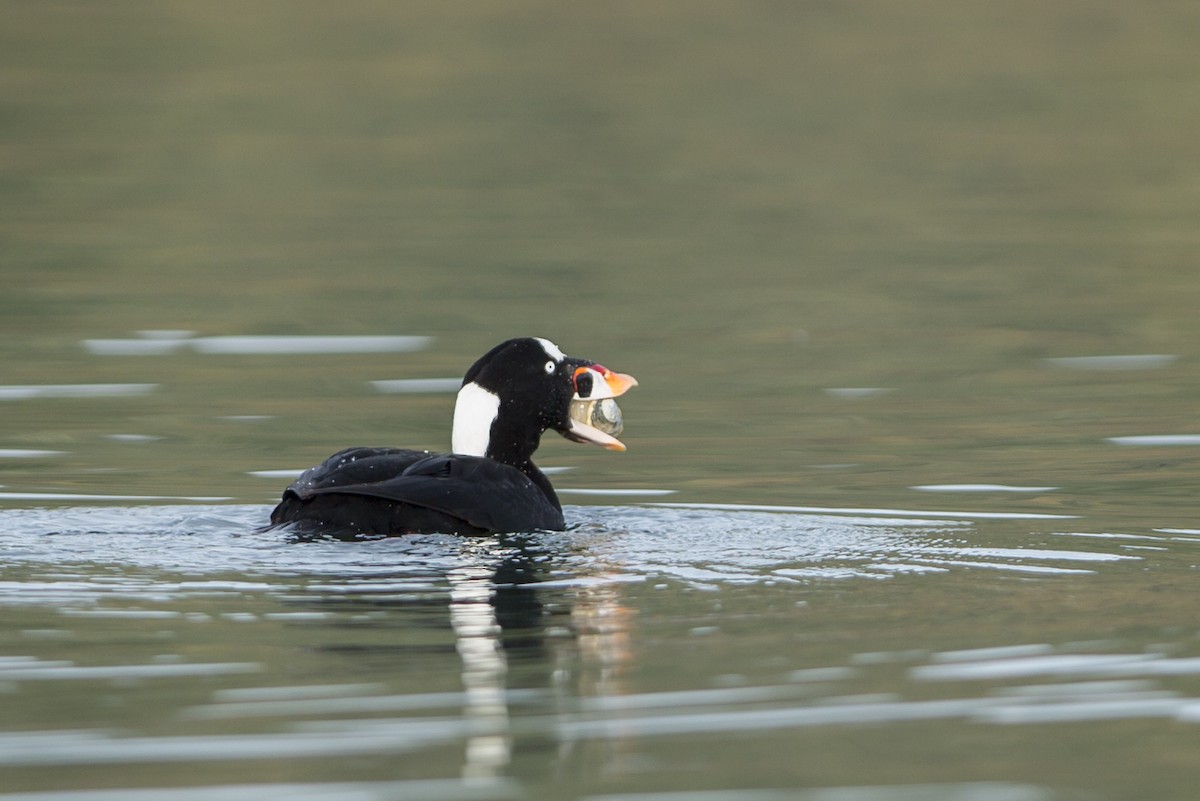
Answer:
(552, 350)
(474, 412)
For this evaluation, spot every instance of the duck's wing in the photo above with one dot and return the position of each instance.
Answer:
(354, 467)
(486, 494)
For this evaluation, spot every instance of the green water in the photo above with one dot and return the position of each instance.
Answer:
(748, 206)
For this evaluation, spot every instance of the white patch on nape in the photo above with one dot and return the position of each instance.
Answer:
(474, 412)
(552, 350)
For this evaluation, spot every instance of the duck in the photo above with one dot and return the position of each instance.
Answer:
(488, 483)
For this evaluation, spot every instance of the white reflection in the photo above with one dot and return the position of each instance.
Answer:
(293, 692)
(1144, 361)
(1031, 553)
(1086, 689)
(1157, 439)
(898, 514)
(32, 391)
(650, 493)
(79, 496)
(160, 345)
(856, 393)
(309, 344)
(152, 343)
(1144, 705)
(994, 652)
(331, 700)
(60, 671)
(1016, 568)
(1042, 665)
(834, 712)
(417, 790)
(313, 740)
(133, 347)
(979, 488)
(416, 386)
(165, 333)
(969, 791)
(484, 668)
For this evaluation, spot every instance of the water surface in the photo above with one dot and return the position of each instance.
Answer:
(908, 510)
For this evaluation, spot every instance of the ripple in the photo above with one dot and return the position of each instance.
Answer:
(1144, 705)
(702, 545)
(633, 492)
(58, 671)
(857, 393)
(1031, 553)
(980, 488)
(1016, 568)
(132, 438)
(1146, 361)
(300, 704)
(256, 345)
(294, 692)
(1039, 665)
(416, 386)
(104, 749)
(475, 789)
(1157, 439)
(899, 513)
(994, 652)
(948, 791)
(81, 496)
(37, 391)
(134, 347)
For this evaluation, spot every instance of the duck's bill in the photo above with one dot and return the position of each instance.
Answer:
(595, 381)
(582, 432)
(617, 383)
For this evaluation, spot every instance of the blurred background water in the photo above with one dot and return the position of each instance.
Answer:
(908, 507)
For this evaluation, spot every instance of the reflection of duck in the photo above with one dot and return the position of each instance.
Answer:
(537, 638)
(509, 398)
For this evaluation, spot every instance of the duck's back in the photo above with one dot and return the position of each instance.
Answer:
(387, 491)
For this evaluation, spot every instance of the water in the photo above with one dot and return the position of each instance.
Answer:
(908, 510)
(169, 646)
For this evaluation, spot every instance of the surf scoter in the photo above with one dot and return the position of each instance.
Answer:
(509, 398)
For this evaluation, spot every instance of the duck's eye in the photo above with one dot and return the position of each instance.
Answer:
(550, 367)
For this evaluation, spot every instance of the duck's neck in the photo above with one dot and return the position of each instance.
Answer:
(481, 430)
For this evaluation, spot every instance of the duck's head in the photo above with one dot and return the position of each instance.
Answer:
(523, 387)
